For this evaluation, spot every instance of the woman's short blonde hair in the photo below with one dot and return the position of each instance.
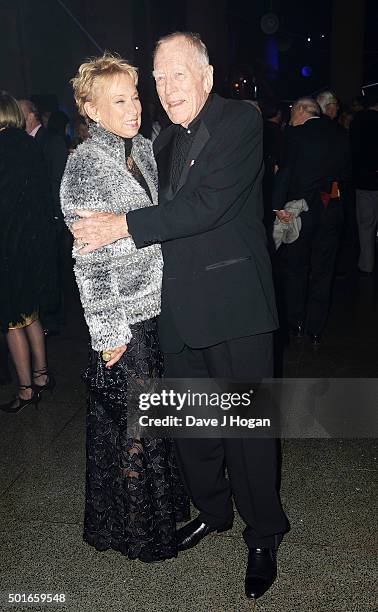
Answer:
(95, 71)
(10, 113)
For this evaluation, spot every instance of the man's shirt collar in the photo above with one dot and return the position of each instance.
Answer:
(33, 132)
(193, 125)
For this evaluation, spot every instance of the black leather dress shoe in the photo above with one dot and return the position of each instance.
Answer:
(261, 571)
(193, 532)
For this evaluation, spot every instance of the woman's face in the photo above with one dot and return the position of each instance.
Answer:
(116, 106)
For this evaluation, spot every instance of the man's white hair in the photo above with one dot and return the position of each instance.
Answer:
(325, 98)
(193, 39)
(309, 105)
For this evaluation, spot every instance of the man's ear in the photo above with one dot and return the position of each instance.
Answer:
(209, 78)
(91, 111)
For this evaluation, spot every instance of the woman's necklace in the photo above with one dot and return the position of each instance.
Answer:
(130, 163)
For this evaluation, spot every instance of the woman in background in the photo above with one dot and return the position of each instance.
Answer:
(25, 255)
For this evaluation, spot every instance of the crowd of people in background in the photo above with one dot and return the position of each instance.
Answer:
(193, 291)
(315, 149)
(328, 156)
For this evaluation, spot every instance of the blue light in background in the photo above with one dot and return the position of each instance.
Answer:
(306, 71)
(271, 53)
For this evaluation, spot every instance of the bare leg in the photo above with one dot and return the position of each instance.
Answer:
(19, 350)
(36, 339)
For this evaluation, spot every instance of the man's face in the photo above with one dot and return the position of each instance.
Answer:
(297, 115)
(331, 110)
(183, 83)
(31, 120)
(116, 106)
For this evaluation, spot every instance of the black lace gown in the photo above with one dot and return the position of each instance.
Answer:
(134, 494)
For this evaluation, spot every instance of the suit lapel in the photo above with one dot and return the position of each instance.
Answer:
(163, 151)
(164, 143)
(200, 139)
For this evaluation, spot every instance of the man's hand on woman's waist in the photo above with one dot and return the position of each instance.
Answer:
(97, 229)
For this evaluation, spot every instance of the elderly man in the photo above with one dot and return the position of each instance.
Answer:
(218, 309)
(54, 153)
(315, 168)
(328, 103)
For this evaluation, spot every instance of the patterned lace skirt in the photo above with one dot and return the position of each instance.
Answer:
(134, 494)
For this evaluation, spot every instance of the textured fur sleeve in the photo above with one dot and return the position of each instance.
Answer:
(80, 184)
(99, 288)
(118, 284)
(98, 281)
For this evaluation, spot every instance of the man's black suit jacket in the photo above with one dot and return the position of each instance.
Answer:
(316, 154)
(217, 282)
(54, 152)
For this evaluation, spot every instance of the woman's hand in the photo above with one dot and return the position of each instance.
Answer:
(115, 355)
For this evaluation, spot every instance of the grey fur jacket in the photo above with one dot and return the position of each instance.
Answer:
(119, 285)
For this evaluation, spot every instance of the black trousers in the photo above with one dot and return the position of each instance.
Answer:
(307, 268)
(252, 464)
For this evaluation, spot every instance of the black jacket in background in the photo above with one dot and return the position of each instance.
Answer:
(54, 152)
(316, 154)
(217, 282)
(27, 259)
(272, 144)
(364, 139)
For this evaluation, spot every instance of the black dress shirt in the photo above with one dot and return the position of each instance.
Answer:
(182, 144)
(134, 168)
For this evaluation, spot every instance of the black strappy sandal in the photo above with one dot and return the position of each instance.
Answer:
(18, 403)
(48, 386)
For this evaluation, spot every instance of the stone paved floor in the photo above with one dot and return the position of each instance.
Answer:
(328, 562)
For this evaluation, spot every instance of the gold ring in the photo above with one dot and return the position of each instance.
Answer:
(106, 355)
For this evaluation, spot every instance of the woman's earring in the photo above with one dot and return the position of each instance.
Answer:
(97, 121)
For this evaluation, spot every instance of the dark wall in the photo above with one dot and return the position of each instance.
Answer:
(209, 19)
(12, 64)
(348, 29)
(44, 46)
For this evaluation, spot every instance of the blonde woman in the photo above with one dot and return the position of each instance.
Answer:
(26, 256)
(133, 493)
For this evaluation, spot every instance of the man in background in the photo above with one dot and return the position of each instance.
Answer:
(53, 149)
(328, 103)
(315, 165)
(272, 151)
(54, 152)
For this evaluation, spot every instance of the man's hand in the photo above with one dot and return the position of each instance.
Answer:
(283, 215)
(97, 229)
